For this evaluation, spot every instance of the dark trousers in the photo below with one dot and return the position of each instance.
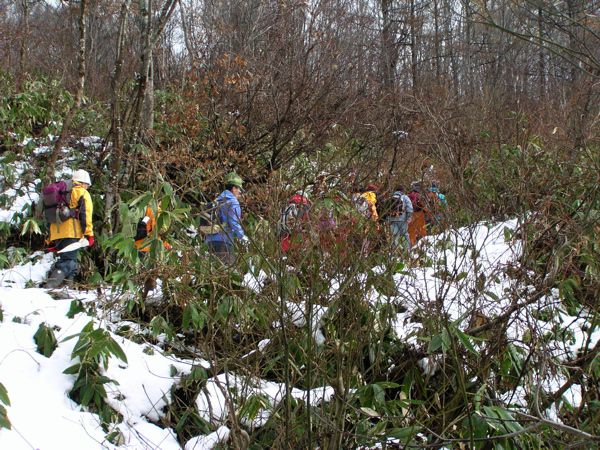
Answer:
(67, 262)
(223, 251)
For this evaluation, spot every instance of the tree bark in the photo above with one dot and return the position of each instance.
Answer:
(413, 45)
(187, 39)
(116, 131)
(83, 11)
(24, 47)
(388, 48)
(541, 62)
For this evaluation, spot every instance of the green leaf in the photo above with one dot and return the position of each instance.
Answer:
(404, 434)
(88, 393)
(31, 226)
(4, 422)
(143, 199)
(369, 411)
(198, 373)
(4, 395)
(116, 349)
(465, 339)
(479, 426)
(439, 341)
(75, 308)
(253, 405)
(501, 420)
(73, 370)
(166, 187)
(479, 396)
(461, 276)
(45, 340)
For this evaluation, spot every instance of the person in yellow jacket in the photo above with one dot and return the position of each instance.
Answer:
(79, 225)
(370, 195)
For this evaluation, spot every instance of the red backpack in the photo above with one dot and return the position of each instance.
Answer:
(416, 200)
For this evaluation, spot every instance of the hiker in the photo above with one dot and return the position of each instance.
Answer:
(398, 211)
(293, 221)
(145, 228)
(229, 216)
(436, 202)
(434, 188)
(416, 226)
(365, 202)
(71, 230)
(370, 195)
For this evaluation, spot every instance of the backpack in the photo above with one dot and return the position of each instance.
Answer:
(141, 231)
(292, 215)
(209, 218)
(394, 206)
(416, 200)
(361, 205)
(56, 198)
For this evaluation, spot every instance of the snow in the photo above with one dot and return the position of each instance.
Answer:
(209, 441)
(21, 192)
(229, 389)
(36, 270)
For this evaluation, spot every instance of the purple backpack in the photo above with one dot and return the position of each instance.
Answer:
(56, 198)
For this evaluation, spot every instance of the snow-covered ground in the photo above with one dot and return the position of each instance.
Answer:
(42, 414)
(454, 266)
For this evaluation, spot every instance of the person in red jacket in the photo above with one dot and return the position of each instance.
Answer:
(293, 221)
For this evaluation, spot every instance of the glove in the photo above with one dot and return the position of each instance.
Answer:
(51, 249)
(90, 241)
(245, 241)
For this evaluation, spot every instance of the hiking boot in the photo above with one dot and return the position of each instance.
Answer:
(55, 279)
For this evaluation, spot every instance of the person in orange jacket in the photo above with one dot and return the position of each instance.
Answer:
(145, 229)
(416, 226)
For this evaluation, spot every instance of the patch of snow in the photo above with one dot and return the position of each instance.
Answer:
(210, 441)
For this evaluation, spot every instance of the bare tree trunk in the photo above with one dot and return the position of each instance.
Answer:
(413, 44)
(389, 54)
(116, 132)
(468, 51)
(187, 39)
(80, 88)
(541, 62)
(148, 104)
(145, 61)
(24, 48)
(143, 117)
(436, 41)
(450, 45)
(580, 92)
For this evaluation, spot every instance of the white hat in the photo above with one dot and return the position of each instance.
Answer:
(82, 176)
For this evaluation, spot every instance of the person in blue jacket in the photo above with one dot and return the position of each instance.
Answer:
(229, 214)
(398, 211)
